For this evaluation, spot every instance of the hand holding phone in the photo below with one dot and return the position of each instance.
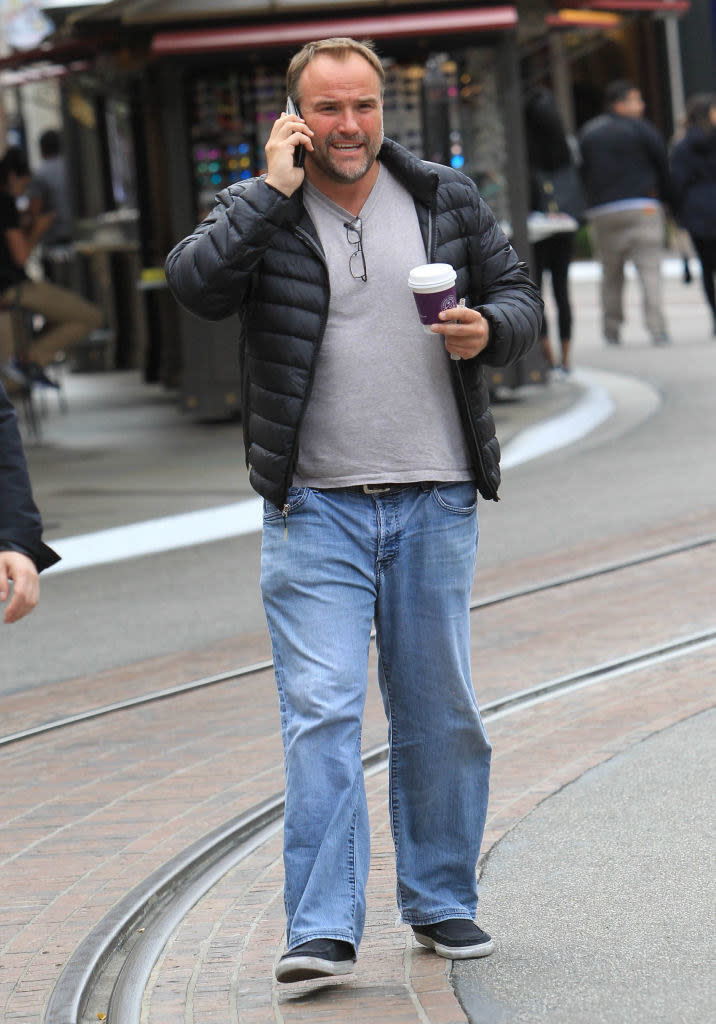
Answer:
(299, 153)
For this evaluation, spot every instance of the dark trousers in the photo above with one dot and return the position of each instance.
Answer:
(706, 251)
(555, 254)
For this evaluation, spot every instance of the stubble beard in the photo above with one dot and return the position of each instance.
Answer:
(337, 172)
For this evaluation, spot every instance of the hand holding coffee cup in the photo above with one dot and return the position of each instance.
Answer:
(433, 287)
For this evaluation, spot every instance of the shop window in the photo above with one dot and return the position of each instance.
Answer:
(223, 134)
(121, 153)
(447, 109)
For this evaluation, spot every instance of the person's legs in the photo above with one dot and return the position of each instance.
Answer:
(318, 588)
(439, 753)
(561, 258)
(645, 249)
(608, 238)
(69, 318)
(540, 259)
(706, 252)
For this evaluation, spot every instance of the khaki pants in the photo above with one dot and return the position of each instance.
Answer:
(68, 317)
(636, 235)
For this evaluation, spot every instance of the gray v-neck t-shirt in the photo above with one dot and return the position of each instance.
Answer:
(382, 408)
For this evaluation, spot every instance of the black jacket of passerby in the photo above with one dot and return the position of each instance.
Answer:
(258, 254)
(693, 170)
(623, 158)
(20, 523)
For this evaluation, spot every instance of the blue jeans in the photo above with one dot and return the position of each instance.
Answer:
(406, 560)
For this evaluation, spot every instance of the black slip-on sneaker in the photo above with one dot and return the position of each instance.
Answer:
(457, 939)
(319, 958)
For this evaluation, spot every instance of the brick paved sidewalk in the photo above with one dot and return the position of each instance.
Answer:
(219, 964)
(87, 813)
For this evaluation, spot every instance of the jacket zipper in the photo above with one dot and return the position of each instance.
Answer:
(475, 444)
(310, 242)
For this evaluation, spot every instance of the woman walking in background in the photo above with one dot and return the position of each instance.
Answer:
(557, 198)
(693, 171)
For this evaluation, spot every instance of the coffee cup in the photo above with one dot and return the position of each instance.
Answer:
(433, 288)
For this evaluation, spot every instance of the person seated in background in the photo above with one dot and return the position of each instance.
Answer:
(23, 555)
(68, 317)
(48, 194)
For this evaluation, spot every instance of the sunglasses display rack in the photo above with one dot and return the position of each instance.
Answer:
(223, 135)
(269, 101)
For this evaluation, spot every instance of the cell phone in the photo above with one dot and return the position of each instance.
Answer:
(299, 153)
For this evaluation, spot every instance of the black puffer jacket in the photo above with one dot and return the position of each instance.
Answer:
(20, 523)
(257, 254)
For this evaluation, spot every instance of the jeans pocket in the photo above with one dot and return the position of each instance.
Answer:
(459, 498)
(296, 497)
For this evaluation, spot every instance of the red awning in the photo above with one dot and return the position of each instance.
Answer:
(634, 6)
(41, 72)
(294, 33)
(63, 52)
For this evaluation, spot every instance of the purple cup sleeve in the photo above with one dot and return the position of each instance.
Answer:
(430, 305)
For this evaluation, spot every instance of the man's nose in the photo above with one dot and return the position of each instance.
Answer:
(348, 121)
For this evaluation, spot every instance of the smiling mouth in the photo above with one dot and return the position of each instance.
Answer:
(347, 147)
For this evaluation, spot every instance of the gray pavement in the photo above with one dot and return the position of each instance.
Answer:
(601, 900)
(122, 454)
(594, 924)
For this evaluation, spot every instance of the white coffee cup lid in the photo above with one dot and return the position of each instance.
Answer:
(431, 277)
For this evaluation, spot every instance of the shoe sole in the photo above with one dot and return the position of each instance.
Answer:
(302, 968)
(456, 952)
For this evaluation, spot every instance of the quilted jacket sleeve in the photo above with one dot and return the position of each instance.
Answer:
(20, 523)
(509, 300)
(210, 270)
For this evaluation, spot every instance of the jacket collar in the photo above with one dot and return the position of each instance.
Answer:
(412, 172)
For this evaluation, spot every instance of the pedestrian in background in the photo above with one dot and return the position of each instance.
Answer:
(556, 193)
(626, 176)
(23, 555)
(48, 194)
(693, 170)
(68, 317)
(368, 444)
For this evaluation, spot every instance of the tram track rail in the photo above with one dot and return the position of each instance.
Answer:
(114, 962)
(233, 675)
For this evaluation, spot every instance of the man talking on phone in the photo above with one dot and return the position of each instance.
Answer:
(369, 446)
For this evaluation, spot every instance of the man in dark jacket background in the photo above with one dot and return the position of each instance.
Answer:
(368, 444)
(22, 552)
(626, 176)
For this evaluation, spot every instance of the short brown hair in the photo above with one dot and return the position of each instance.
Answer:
(339, 47)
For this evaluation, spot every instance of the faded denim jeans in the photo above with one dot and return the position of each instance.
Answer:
(406, 560)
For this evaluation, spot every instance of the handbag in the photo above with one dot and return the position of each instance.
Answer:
(560, 191)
